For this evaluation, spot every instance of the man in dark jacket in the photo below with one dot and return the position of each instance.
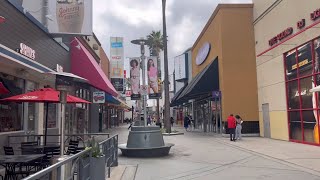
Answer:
(232, 127)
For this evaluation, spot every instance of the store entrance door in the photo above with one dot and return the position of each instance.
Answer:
(266, 120)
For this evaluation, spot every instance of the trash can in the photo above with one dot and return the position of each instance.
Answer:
(66, 169)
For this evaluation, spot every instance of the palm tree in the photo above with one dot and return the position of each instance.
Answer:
(155, 44)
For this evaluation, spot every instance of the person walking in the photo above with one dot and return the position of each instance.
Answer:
(172, 121)
(186, 122)
(238, 127)
(232, 127)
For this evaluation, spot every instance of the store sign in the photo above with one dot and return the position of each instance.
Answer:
(128, 93)
(117, 83)
(99, 97)
(281, 36)
(315, 15)
(59, 68)
(203, 53)
(27, 51)
(216, 94)
(180, 67)
(116, 44)
(289, 31)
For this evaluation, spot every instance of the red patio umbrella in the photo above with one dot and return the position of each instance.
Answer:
(3, 89)
(45, 95)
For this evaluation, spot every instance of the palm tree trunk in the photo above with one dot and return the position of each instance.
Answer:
(167, 124)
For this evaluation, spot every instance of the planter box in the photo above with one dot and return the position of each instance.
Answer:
(97, 168)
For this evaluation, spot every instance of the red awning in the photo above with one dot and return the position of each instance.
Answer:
(43, 95)
(3, 89)
(83, 64)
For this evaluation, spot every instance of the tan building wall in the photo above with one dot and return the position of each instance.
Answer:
(105, 63)
(270, 65)
(230, 33)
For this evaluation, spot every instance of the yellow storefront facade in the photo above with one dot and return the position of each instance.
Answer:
(228, 38)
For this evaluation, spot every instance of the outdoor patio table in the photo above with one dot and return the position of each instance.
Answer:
(9, 162)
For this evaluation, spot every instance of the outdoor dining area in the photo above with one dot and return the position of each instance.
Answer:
(31, 157)
(33, 154)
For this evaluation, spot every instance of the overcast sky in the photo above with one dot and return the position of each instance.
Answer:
(133, 19)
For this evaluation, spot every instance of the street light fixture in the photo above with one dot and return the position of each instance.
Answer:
(142, 42)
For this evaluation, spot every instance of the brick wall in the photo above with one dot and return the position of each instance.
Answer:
(19, 29)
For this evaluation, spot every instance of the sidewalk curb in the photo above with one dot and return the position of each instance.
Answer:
(282, 161)
(172, 134)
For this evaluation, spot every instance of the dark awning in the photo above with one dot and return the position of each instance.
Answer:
(174, 100)
(204, 83)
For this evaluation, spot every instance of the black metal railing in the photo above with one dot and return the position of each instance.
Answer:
(77, 167)
(74, 167)
(16, 140)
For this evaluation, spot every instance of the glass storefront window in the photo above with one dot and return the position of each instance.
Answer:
(302, 74)
(11, 114)
(52, 115)
(306, 95)
(305, 60)
(291, 65)
(295, 125)
(293, 95)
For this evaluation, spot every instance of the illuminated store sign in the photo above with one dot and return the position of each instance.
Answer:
(203, 53)
(27, 51)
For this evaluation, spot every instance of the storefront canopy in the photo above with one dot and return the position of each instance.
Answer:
(204, 83)
(84, 65)
(14, 59)
(112, 100)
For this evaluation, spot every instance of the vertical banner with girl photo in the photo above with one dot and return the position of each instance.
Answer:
(152, 71)
(135, 78)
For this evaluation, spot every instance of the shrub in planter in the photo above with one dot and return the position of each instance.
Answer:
(97, 161)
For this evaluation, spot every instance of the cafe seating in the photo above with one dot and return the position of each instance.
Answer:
(72, 147)
(26, 148)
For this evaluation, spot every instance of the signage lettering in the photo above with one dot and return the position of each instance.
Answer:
(27, 51)
(301, 24)
(315, 15)
(289, 31)
(281, 36)
(99, 97)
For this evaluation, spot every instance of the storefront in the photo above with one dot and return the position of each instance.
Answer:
(224, 70)
(85, 65)
(288, 67)
(26, 53)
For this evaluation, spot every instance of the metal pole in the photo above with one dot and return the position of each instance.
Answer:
(46, 130)
(220, 117)
(144, 96)
(63, 100)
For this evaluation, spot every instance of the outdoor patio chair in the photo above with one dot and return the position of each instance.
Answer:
(8, 150)
(26, 148)
(72, 147)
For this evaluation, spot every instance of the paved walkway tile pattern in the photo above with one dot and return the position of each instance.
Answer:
(207, 157)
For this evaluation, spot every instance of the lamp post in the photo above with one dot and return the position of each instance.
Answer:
(142, 42)
(167, 123)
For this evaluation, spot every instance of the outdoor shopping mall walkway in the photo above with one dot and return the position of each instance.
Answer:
(206, 156)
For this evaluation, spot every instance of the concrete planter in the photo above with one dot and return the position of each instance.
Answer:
(97, 168)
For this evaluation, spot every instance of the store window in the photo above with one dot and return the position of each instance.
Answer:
(11, 114)
(52, 115)
(302, 74)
